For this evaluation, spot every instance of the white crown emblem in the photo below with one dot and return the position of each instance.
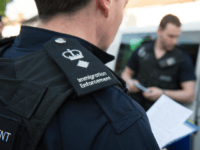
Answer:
(73, 54)
(83, 64)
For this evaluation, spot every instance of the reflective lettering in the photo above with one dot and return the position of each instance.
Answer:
(8, 134)
(4, 135)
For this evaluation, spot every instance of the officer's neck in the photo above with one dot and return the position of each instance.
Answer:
(159, 50)
(78, 26)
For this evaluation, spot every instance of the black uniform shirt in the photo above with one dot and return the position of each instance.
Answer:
(104, 120)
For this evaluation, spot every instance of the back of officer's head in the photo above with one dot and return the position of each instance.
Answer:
(102, 17)
(49, 8)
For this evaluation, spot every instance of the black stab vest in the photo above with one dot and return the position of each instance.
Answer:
(32, 89)
(162, 73)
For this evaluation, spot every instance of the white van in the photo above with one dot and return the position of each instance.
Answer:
(189, 40)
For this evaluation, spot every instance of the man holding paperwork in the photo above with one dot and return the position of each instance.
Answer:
(161, 67)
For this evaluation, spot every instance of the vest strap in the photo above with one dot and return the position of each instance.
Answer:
(21, 97)
(34, 104)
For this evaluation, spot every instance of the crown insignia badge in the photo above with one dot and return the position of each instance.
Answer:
(72, 54)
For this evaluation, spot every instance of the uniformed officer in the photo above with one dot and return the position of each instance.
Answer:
(162, 67)
(56, 93)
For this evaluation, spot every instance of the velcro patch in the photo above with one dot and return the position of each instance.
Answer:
(8, 130)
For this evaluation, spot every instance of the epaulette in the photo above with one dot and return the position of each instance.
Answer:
(84, 71)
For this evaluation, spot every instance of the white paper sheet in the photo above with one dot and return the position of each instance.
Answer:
(183, 130)
(165, 117)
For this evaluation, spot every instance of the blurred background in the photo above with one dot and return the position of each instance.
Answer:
(139, 13)
(15, 13)
(149, 13)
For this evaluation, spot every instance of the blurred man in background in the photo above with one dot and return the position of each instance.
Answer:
(162, 67)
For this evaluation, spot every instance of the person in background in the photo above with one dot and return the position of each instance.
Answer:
(162, 67)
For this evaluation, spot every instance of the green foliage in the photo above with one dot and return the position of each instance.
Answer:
(135, 43)
(3, 6)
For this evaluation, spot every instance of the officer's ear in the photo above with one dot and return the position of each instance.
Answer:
(104, 7)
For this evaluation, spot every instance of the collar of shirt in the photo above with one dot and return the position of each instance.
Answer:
(32, 39)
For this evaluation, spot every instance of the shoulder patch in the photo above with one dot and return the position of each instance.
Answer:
(85, 72)
(120, 109)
